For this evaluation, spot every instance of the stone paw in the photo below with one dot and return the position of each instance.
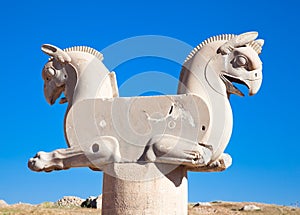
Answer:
(44, 161)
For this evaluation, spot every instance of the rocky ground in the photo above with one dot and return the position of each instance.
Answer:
(71, 205)
(240, 208)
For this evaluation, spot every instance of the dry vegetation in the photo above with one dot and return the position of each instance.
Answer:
(46, 208)
(217, 208)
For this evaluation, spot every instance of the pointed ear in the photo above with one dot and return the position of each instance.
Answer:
(260, 42)
(56, 52)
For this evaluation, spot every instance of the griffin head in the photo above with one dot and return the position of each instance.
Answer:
(242, 63)
(54, 73)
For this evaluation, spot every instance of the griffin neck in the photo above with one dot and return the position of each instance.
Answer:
(89, 79)
(201, 76)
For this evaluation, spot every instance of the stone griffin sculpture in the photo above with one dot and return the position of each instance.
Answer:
(192, 128)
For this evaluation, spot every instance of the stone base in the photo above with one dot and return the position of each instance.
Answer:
(161, 194)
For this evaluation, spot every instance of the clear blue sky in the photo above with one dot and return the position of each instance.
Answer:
(265, 143)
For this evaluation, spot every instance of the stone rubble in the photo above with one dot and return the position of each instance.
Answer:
(250, 208)
(202, 204)
(73, 201)
(3, 203)
(69, 201)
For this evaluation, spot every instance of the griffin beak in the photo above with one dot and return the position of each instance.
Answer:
(52, 94)
(253, 85)
(50, 101)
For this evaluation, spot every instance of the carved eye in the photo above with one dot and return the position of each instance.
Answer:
(51, 71)
(241, 60)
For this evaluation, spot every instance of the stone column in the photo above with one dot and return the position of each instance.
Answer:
(144, 189)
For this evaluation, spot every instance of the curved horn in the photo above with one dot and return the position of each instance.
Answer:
(238, 41)
(56, 52)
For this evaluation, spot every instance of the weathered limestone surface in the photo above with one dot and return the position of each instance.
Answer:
(163, 194)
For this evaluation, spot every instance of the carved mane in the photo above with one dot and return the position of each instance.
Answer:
(224, 37)
(85, 49)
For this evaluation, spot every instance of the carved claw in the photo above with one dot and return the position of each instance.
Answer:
(222, 163)
(195, 157)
